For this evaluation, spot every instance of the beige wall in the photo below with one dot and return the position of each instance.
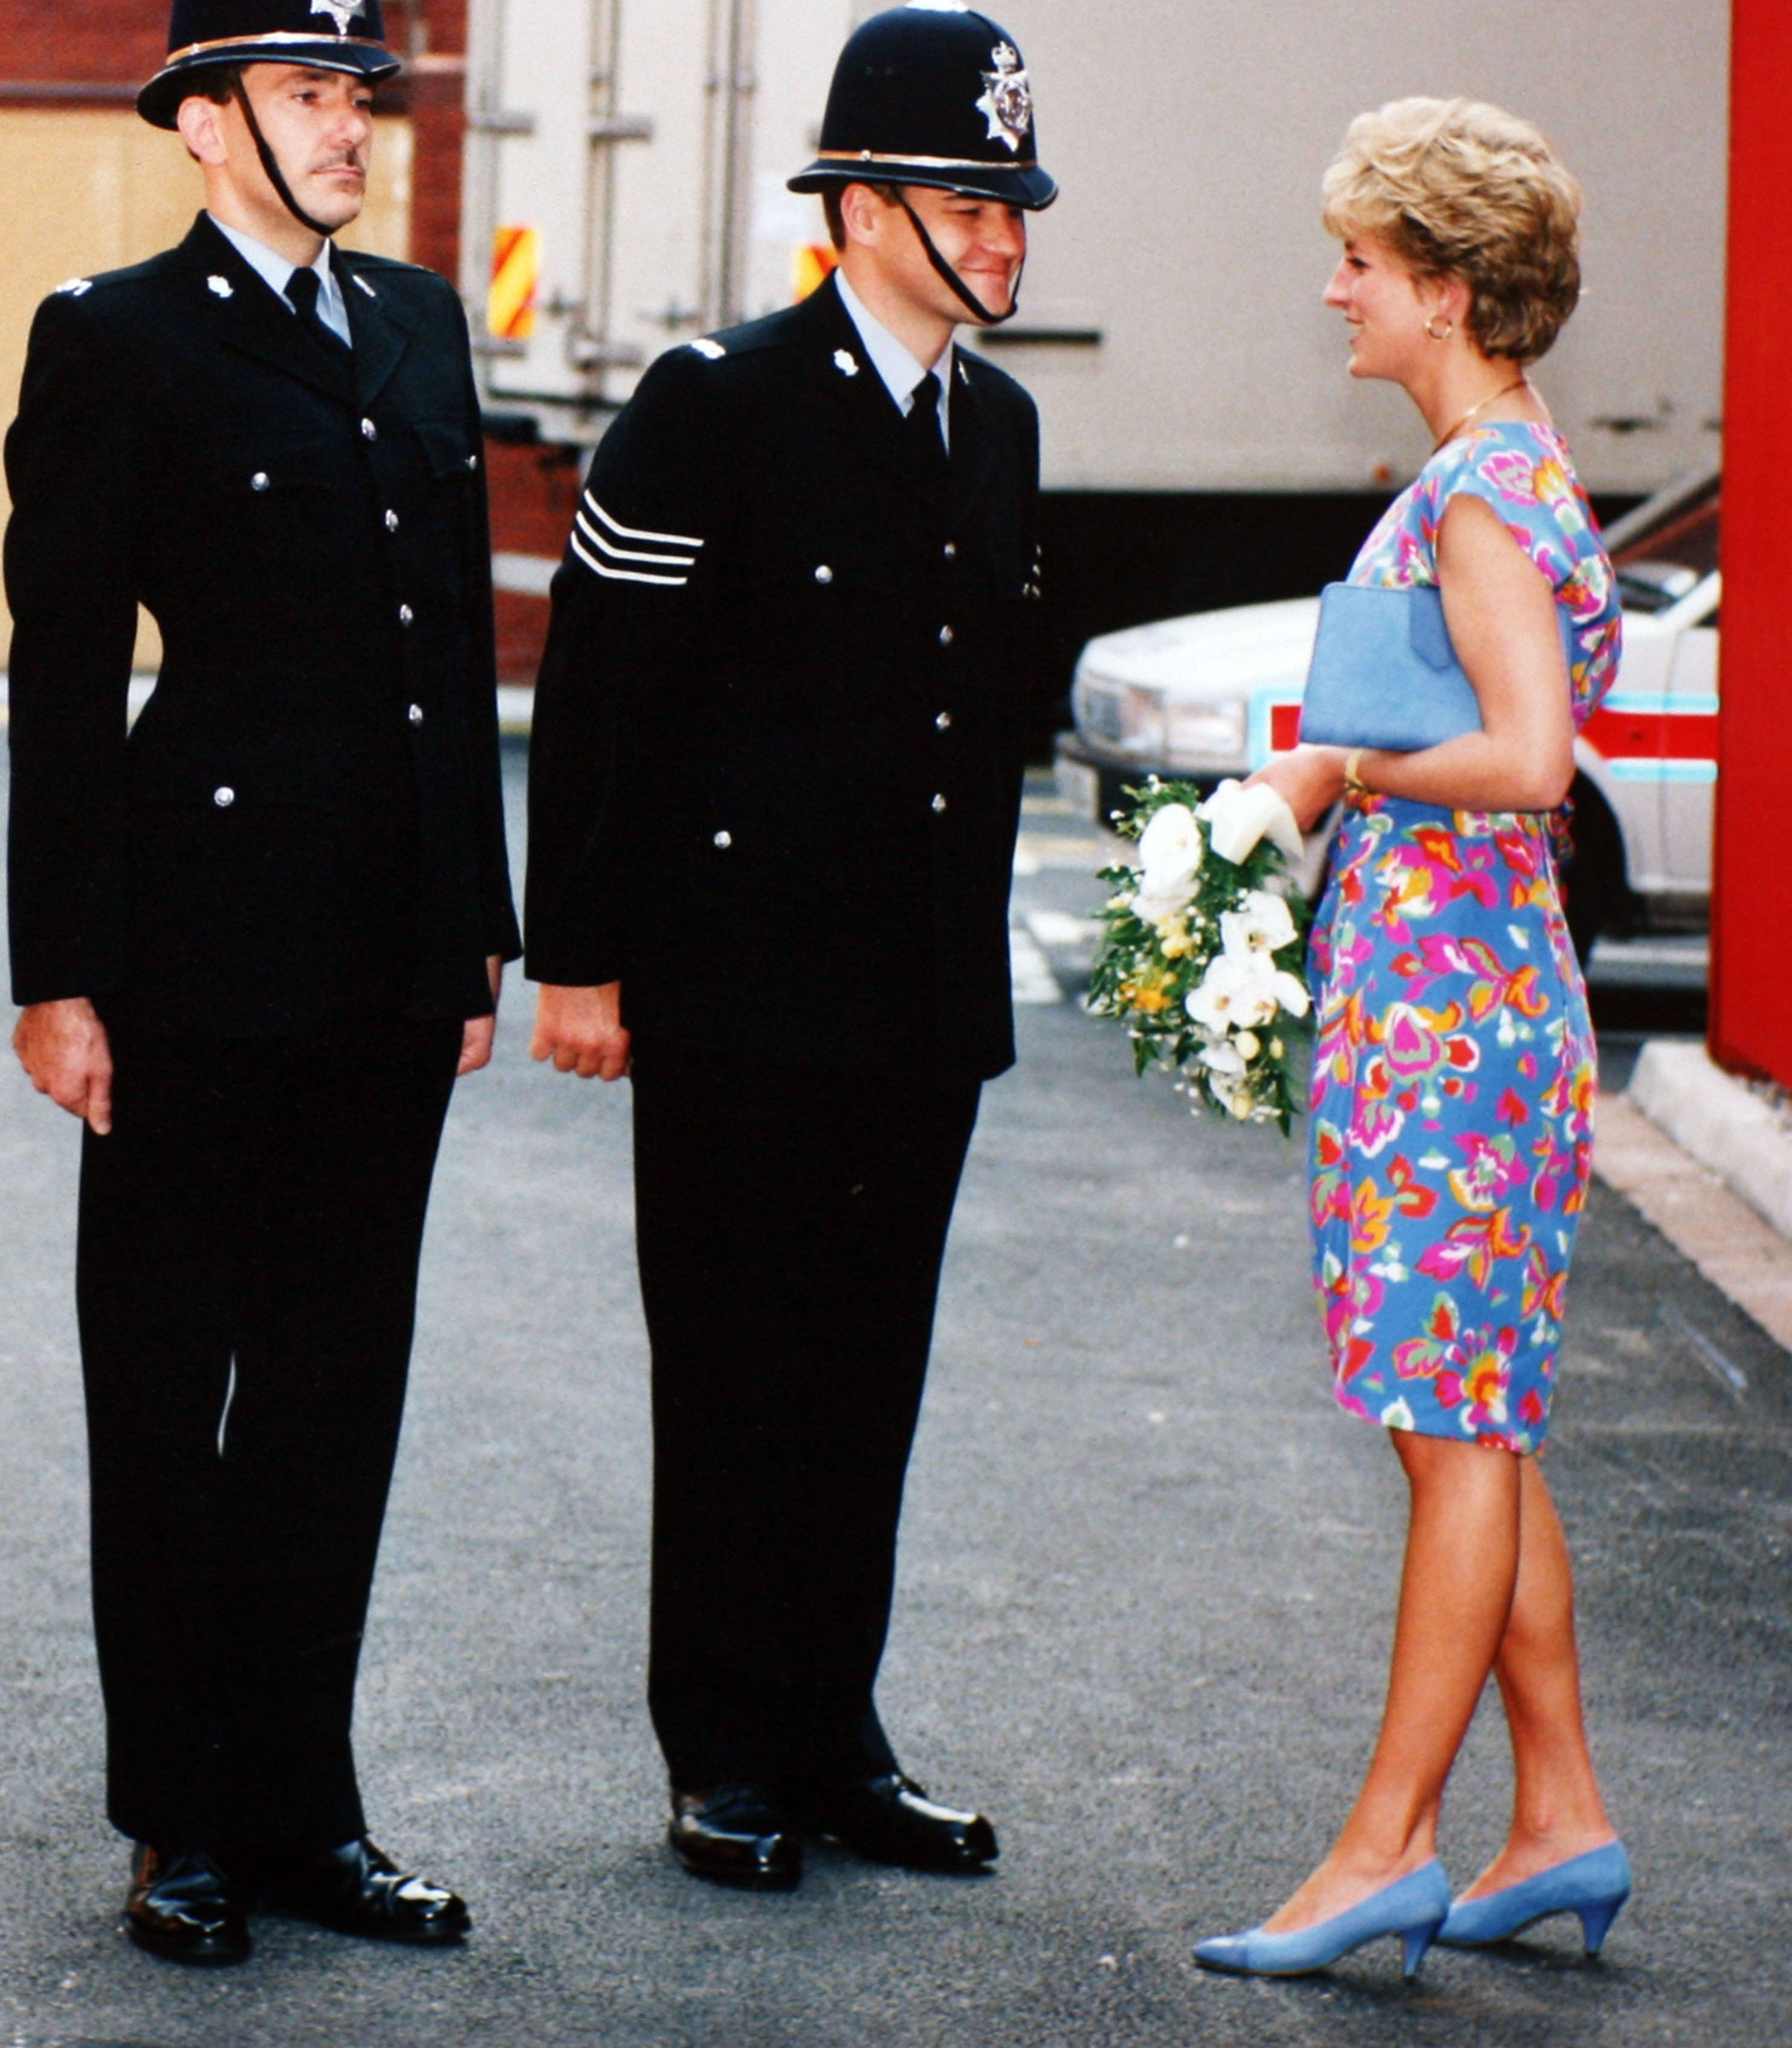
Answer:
(86, 190)
(1190, 136)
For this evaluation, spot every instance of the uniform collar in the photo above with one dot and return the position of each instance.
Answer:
(249, 316)
(277, 272)
(900, 370)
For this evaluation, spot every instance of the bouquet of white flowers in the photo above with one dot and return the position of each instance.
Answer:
(1205, 942)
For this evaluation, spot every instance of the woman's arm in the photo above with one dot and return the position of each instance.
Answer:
(1502, 617)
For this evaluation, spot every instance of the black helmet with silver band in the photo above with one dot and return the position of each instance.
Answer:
(331, 35)
(206, 35)
(933, 94)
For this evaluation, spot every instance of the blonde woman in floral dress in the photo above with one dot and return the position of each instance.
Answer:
(1454, 1076)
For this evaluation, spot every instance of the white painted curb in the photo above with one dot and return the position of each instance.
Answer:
(1717, 1120)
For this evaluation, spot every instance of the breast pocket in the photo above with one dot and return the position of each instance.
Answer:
(450, 453)
(279, 506)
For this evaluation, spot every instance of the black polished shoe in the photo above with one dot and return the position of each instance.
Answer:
(890, 1819)
(358, 1889)
(185, 1908)
(736, 1834)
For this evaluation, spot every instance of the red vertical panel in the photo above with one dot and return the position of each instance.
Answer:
(1751, 908)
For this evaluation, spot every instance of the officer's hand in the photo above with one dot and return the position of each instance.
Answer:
(478, 1033)
(63, 1047)
(581, 1030)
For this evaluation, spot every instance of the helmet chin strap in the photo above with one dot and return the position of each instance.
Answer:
(270, 165)
(975, 306)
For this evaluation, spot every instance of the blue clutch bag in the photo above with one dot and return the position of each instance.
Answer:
(1384, 674)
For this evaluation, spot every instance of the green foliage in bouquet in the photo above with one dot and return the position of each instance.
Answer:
(1205, 944)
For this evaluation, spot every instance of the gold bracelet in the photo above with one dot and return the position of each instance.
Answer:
(1354, 784)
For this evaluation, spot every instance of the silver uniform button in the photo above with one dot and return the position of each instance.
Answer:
(369, 431)
(824, 574)
(415, 714)
(952, 551)
(947, 636)
(223, 798)
(472, 462)
(405, 615)
(392, 522)
(724, 839)
(939, 805)
(259, 481)
(943, 721)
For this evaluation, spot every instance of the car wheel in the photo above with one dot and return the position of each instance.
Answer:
(1597, 893)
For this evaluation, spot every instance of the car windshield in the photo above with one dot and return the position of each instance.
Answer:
(1659, 566)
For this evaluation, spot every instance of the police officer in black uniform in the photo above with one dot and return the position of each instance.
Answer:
(255, 940)
(775, 779)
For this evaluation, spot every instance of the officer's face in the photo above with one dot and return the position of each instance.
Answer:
(984, 242)
(319, 125)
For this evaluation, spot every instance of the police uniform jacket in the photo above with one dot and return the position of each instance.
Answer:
(306, 818)
(779, 732)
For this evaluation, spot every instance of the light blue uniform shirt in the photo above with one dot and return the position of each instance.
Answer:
(277, 270)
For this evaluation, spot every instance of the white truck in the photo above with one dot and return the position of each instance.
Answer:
(1172, 329)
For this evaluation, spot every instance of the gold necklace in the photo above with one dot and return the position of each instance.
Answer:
(1519, 382)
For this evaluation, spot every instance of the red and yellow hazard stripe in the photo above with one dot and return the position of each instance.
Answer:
(515, 270)
(812, 263)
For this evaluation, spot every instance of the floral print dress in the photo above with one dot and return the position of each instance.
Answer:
(1453, 1075)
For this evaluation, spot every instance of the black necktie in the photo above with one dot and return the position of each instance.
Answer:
(922, 425)
(302, 288)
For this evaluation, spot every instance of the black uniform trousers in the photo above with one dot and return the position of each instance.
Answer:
(246, 1279)
(791, 1225)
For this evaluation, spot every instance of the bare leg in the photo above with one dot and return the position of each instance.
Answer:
(1556, 1809)
(1456, 1599)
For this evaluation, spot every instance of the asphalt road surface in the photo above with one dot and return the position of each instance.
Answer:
(1147, 1583)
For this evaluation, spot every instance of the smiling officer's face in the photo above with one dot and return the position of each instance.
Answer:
(983, 240)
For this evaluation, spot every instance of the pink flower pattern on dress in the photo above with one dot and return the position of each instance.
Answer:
(1454, 1070)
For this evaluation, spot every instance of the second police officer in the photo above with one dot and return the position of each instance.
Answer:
(775, 783)
(254, 941)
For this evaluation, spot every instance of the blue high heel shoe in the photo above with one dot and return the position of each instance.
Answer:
(1413, 1907)
(1594, 1886)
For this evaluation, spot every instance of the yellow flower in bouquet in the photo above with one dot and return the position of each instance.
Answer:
(1202, 946)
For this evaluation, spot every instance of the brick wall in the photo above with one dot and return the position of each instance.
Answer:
(435, 37)
(122, 41)
(82, 41)
(534, 491)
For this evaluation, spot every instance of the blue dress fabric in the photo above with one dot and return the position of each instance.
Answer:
(1454, 1073)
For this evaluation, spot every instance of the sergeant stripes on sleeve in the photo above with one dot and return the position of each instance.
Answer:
(655, 551)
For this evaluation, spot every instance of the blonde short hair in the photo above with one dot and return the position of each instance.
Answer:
(1459, 189)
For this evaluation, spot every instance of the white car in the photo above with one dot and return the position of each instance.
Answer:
(1216, 692)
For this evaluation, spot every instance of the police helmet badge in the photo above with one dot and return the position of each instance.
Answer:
(1007, 99)
(342, 14)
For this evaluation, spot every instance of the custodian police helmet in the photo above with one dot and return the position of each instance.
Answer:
(933, 94)
(331, 35)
